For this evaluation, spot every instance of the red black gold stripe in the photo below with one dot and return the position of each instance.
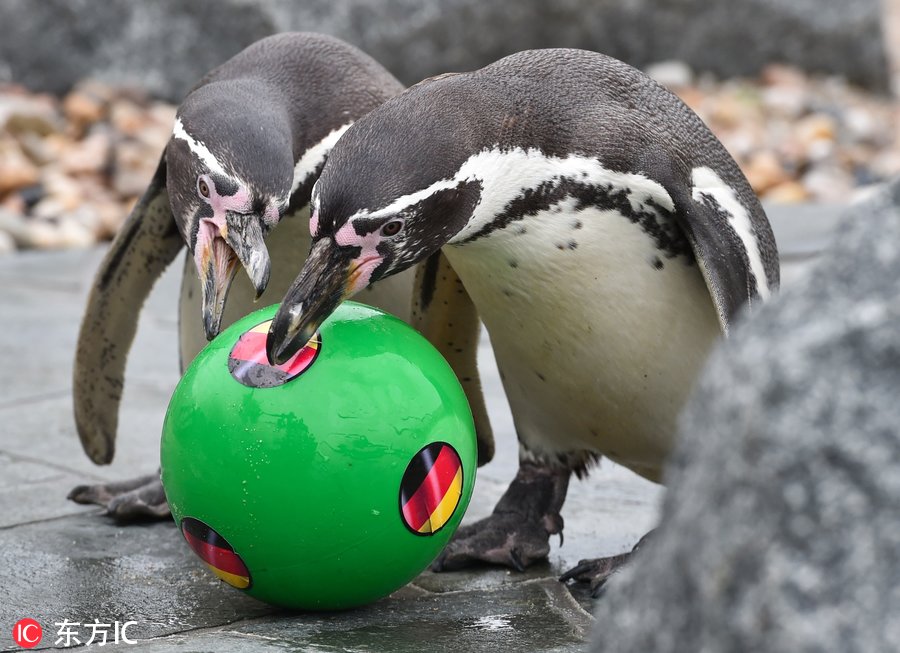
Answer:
(431, 488)
(215, 551)
(248, 364)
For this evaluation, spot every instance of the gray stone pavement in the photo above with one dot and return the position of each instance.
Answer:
(60, 561)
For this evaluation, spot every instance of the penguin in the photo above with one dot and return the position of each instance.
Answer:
(247, 144)
(604, 235)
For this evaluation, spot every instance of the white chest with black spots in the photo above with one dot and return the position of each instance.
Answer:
(598, 334)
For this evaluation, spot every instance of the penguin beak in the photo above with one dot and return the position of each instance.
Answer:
(217, 264)
(322, 285)
(217, 257)
(246, 238)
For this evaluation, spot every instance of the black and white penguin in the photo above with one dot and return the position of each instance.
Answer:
(606, 238)
(248, 142)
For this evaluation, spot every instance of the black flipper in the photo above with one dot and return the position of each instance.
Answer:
(728, 232)
(443, 312)
(144, 247)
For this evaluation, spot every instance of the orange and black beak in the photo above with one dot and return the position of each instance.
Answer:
(323, 283)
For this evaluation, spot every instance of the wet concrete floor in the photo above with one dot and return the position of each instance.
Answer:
(60, 561)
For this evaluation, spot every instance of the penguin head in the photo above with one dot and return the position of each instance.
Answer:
(387, 199)
(230, 174)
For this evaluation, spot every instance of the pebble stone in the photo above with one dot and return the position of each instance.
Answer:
(72, 167)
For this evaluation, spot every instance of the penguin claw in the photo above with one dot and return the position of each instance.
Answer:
(597, 571)
(518, 532)
(135, 500)
(501, 539)
(516, 561)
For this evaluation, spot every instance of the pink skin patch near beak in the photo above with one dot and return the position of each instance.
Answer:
(212, 234)
(214, 228)
(271, 216)
(210, 230)
(239, 202)
(362, 267)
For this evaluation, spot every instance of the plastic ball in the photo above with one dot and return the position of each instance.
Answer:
(329, 481)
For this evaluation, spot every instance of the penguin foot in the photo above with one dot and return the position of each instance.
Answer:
(138, 499)
(597, 571)
(498, 540)
(518, 532)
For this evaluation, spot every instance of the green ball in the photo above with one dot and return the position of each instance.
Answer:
(327, 482)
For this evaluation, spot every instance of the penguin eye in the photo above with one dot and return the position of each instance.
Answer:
(392, 228)
(202, 187)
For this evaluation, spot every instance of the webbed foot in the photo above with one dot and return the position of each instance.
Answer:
(137, 499)
(597, 571)
(518, 532)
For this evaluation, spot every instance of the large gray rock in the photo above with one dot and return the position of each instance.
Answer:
(781, 527)
(165, 45)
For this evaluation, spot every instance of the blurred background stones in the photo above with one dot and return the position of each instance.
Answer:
(165, 45)
(798, 90)
(71, 167)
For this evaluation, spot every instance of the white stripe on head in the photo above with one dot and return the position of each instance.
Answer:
(198, 148)
(312, 158)
(506, 173)
(707, 182)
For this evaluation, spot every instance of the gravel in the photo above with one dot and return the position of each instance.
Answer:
(71, 167)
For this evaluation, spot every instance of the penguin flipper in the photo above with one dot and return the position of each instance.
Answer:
(444, 313)
(721, 252)
(716, 254)
(143, 248)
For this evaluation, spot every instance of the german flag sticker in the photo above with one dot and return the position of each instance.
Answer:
(248, 364)
(430, 489)
(216, 553)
